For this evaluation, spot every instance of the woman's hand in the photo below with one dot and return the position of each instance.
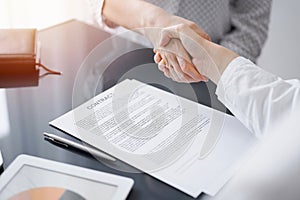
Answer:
(180, 67)
(175, 56)
(150, 20)
(209, 58)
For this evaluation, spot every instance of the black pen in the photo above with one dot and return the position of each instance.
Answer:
(68, 143)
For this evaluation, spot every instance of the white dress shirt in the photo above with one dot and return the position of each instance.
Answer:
(267, 105)
(257, 98)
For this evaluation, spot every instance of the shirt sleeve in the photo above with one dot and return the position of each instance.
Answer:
(257, 98)
(250, 21)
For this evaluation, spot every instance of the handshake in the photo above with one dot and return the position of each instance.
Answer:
(185, 53)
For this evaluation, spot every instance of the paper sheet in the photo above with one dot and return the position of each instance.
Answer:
(1, 160)
(161, 134)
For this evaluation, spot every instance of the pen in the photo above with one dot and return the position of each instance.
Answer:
(68, 143)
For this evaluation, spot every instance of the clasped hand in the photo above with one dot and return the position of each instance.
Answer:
(205, 57)
(173, 59)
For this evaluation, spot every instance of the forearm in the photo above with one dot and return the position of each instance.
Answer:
(133, 14)
(257, 98)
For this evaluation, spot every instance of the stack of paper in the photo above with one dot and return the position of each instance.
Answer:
(1, 163)
(163, 135)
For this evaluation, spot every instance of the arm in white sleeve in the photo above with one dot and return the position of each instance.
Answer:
(257, 98)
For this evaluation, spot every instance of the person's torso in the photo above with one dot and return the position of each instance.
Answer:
(213, 16)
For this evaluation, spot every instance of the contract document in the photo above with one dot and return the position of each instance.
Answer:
(162, 135)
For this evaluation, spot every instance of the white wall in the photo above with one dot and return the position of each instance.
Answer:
(281, 54)
(41, 13)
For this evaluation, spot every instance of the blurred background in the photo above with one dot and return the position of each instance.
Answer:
(280, 53)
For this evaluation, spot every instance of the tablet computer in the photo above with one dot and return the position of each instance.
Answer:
(38, 178)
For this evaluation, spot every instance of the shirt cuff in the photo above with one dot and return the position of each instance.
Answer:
(231, 72)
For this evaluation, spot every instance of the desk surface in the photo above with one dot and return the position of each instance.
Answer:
(65, 47)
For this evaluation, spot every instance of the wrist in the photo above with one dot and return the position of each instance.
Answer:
(221, 58)
(155, 17)
(152, 19)
(227, 56)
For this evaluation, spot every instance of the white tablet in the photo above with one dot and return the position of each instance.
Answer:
(38, 178)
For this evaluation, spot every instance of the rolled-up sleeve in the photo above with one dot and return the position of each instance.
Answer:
(250, 21)
(257, 98)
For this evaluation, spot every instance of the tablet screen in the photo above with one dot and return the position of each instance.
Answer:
(31, 177)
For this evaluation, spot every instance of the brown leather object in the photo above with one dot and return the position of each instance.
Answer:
(17, 51)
